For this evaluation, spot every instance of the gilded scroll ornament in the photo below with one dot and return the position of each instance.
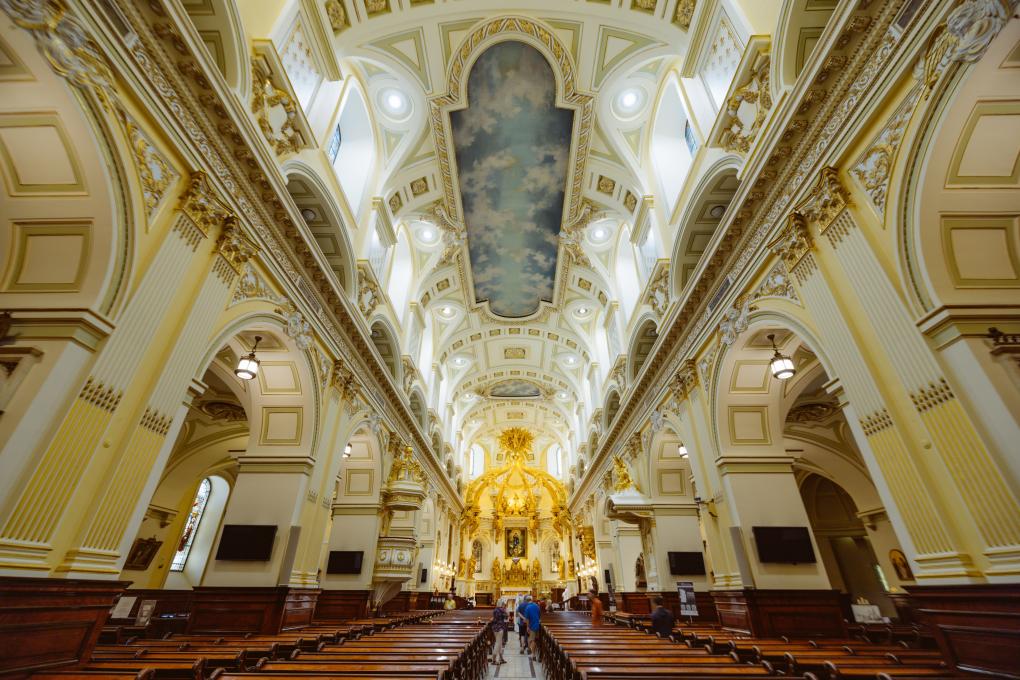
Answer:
(284, 137)
(621, 476)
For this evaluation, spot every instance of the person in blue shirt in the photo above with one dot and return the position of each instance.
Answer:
(533, 614)
(522, 622)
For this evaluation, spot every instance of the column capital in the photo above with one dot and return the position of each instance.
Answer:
(826, 200)
(201, 203)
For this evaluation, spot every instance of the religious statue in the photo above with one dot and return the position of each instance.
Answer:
(622, 475)
(471, 566)
(536, 572)
(639, 572)
(497, 572)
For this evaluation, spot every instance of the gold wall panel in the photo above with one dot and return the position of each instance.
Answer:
(671, 482)
(48, 256)
(982, 251)
(37, 156)
(281, 425)
(749, 425)
(988, 151)
(279, 377)
(359, 482)
(750, 377)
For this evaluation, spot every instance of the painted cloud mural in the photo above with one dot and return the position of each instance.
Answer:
(512, 147)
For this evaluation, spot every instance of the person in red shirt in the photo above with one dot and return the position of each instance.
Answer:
(596, 608)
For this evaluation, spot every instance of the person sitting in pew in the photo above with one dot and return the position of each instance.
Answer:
(662, 618)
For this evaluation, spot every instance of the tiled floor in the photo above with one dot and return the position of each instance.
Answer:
(518, 666)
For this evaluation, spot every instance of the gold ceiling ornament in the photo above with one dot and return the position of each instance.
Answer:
(516, 441)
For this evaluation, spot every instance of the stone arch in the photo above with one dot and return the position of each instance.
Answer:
(612, 407)
(384, 339)
(324, 220)
(219, 28)
(700, 220)
(641, 346)
(801, 24)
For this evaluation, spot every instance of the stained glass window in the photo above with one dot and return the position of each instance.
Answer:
(191, 526)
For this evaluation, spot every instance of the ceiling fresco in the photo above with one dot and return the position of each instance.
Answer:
(512, 148)
(515, 389)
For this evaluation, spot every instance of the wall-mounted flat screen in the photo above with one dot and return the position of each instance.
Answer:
(784, 545)
(686, 563)
(344, 562)
(250, 542)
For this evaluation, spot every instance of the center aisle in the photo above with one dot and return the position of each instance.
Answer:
(518, 666)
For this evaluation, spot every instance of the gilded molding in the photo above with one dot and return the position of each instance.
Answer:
(345, 381)
(794, 241)
(739, 134)
(71, 53)
(684, 380)
(777, 284)
(235, 247)
(266, 96)
(965, 36)
(154, 171)
(621, 476)
(684, 13)
(99, 395)
(369, 293)
(201, 204)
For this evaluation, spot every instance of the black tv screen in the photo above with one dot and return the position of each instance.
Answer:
(344, 562)
(251, 542)
(784, 545)
(685, 563)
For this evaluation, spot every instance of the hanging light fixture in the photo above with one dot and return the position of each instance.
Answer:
(347, 450)
(248, 366)
(781, 365)
(682, 450)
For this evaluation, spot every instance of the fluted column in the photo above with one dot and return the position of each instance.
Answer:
(80, 493)
(970, 484)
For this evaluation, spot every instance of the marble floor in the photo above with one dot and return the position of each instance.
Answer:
(518, 666)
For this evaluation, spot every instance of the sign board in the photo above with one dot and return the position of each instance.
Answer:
(866, 613)
(145, 612)
(122, 609)
(688, 603)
